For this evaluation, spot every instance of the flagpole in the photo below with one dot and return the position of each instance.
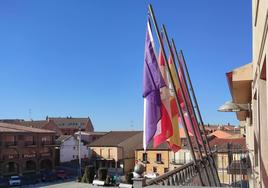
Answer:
(198, 128)
(176, 96)
(186, 106)
(197, 108)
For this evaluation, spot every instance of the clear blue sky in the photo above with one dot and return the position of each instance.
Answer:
(85, 58)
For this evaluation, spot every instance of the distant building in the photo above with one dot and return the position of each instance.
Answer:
(231, 158)
(116, 150)
(70, 125)
(89, 137)
(42, 124)
(25, 150)
(68, 146)
(160, 160)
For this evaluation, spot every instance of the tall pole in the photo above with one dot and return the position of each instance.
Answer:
(185, 104)
(79, 152)
(191, 106)
(176, 96)
(199, 115)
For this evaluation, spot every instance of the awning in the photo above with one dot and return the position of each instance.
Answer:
(239, 81)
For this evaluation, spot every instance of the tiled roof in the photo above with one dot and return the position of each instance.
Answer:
(62, 138)
(71, 122)
(113, 138)
(221, 134)
(8, 127)
(91, 133)
(34, 124)
(222, 143)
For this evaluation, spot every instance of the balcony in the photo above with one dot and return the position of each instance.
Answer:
(47, 142)
(29, 143)
(10, 144)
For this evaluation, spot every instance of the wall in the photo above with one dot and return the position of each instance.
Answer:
(69, 150)
(259, 94)
(152, 160)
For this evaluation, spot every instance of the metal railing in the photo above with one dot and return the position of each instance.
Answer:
(184, 175)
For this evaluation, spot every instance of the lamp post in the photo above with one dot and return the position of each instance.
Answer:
(230, 106)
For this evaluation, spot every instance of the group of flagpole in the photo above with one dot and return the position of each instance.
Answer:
(180, 110)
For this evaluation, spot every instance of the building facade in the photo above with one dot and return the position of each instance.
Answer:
(25, 150)
(248, 86)
(115, 151)
(69, 148)
(70, 125)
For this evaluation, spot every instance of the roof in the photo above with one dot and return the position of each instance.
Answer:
(8, 127)
(113, 138)
(35, 124)
(91, 133)
(221, 134)
(70, 122)
(62, 138)
(222, 144)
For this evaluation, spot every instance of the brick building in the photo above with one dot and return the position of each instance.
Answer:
(70, 125)
(25, 150)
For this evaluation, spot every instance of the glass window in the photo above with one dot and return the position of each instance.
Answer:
(158, 157)
(144, 157)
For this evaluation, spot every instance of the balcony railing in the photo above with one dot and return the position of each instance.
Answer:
(13, 143)
(47, 142)
(29, 143)
(183, 175)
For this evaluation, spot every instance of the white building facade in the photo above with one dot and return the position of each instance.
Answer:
(69, 149)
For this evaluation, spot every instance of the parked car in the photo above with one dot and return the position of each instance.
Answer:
(14, 180)
(47, 176)
(61, 174)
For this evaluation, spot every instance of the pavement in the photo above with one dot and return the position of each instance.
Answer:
(70, 184)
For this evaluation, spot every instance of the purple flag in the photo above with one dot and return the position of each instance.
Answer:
(152, 82)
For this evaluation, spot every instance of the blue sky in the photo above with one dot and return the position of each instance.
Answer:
(85, 58)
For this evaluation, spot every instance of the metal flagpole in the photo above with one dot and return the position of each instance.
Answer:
(185, 104)
(176, 96)
(199, 115)
(198, 128)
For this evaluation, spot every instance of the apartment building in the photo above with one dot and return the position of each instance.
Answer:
(116, 151)
(25, 150)
(70, 125)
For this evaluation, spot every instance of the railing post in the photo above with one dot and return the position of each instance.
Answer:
(139, 182)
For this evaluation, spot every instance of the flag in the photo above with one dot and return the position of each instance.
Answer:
(187, 116)
(164, 126)
(152, 82)
(174, 141)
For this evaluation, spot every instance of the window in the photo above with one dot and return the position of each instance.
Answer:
(74, 147)
(154, 169)
(158, 158)
(165, 170)
(144, 157)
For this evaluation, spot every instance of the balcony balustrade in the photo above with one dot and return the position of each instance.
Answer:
(29, 143)
(11, 143)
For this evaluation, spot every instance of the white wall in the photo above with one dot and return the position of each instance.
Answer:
(69, 150)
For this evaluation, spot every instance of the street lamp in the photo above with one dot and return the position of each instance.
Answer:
(230, 106)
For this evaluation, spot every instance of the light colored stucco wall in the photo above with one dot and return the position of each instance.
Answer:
(259, 154)
(151, 158)
(69, 150)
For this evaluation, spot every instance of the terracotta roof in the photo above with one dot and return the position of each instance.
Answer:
(222, 144)
(221, 134)
(35, 124)
(8, 127)
(114, 138)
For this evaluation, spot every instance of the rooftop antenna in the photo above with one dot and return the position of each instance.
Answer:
(30, 114)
